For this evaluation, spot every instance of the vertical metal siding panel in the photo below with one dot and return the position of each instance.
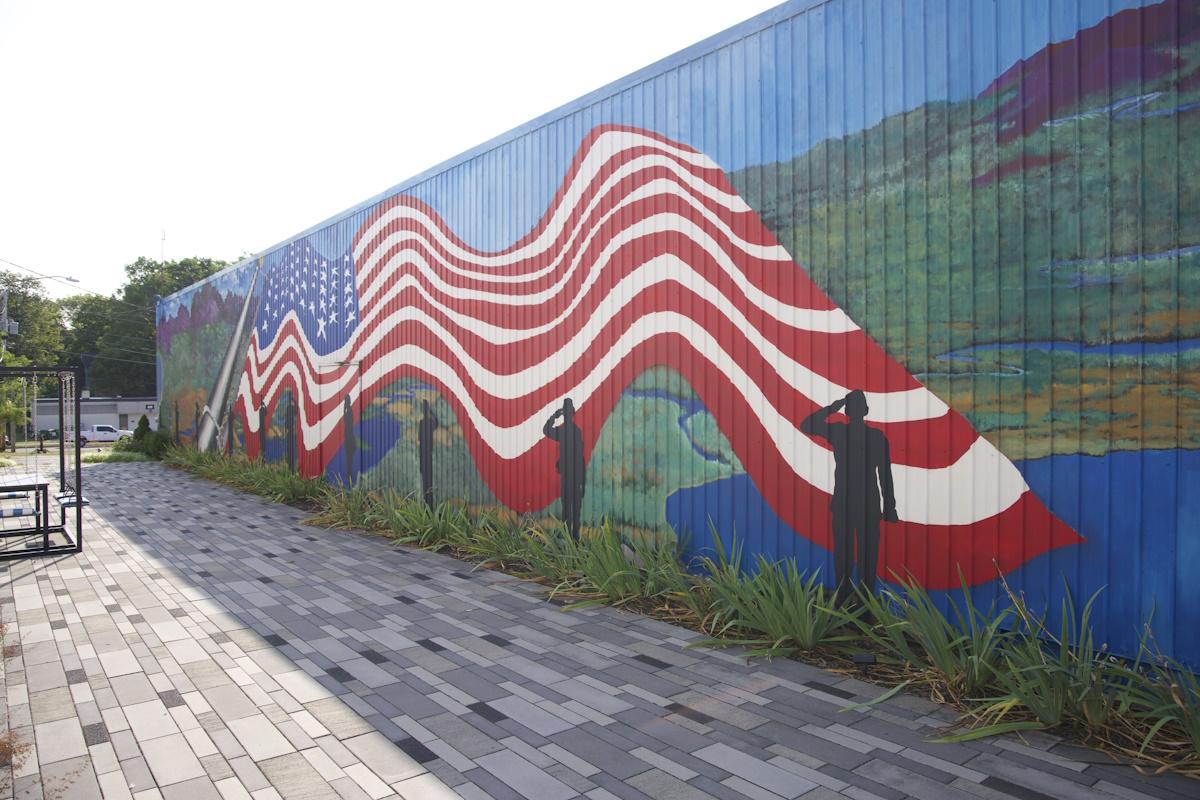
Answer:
(1186, 595)
(693, 78)
(643, 104)
(1073, 485)
(782, 194)
(936, 563)
(677, 109)
(665, 450)
(960, 210)
(1113, 604)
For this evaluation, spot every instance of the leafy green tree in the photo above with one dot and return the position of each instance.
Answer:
(40, 338)
(88, 318)
(124, 352)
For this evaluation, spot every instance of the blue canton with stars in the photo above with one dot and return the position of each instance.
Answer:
(322, 292)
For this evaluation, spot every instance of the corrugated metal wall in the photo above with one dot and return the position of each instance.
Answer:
(983, 214)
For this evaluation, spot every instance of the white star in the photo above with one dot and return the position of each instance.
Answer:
(333, 315)
(349, 300)
(350, 318)
(320, 327)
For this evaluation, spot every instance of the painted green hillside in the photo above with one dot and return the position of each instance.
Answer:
(942, 229)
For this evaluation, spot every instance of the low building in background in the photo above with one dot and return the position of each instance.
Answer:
(120, 412)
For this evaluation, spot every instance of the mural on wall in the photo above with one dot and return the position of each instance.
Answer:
(647, 258)
(888, 306)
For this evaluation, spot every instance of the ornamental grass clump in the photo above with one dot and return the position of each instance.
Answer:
(443, 527)
(496, 542)
(1049, 678)
(1160, 709)
(774, 610)
(956, 655)
(273, 481)
(346, 508)
(644, 570)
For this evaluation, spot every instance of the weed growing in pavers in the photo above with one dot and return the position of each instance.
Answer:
(1000, 666)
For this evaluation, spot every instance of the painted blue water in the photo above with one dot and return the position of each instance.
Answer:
(1172, 347)
(1106, 499)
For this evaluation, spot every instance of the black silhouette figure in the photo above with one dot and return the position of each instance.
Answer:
(289, 432)
(863, 469)
(264, 426)
(351, 445)
(196, 429)
(429, 424)
(177, 426)
(571, 466)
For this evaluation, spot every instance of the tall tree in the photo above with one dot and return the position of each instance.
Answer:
(88, 318)
(123, 360)
(40, 336)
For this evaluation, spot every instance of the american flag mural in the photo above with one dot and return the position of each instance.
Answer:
(645, 257)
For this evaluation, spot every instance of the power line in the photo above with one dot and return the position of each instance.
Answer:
(72, 285)
(128, 350)
(110, 358)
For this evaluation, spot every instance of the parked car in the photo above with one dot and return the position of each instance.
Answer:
(100, 433)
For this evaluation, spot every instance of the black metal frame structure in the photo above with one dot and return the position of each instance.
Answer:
(69, 498)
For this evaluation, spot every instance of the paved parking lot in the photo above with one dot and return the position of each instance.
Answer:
(208, 644)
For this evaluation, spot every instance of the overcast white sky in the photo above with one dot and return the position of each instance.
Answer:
(233, 125)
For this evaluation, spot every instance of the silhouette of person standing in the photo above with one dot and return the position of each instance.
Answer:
(428, 424)
(289, 433)
(196, 426)
(264, 424)
(572, 470)
(177, 422)
(351, 440)
(863, 469)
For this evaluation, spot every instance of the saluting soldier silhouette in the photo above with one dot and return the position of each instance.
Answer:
(429, 424)
(289, 433)
(350, 447)
(571, 466)
(264, 425)
(862, 488)
(196, 427)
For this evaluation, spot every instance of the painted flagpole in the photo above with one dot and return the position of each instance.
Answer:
(208, 424)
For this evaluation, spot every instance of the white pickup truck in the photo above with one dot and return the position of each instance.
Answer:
(99, 433)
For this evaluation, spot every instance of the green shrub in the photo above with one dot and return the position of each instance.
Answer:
(152, 444)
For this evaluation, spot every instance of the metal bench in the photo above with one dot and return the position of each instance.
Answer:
(70, 500)
(19, 512)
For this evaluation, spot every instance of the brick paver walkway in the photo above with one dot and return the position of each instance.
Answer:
(207, 644)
